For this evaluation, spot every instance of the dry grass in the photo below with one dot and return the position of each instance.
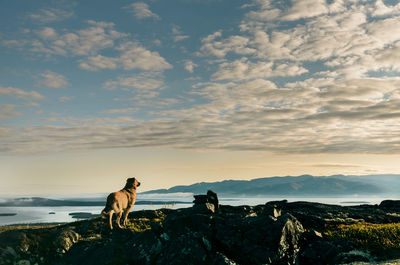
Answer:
(376, 238)
(25, 226)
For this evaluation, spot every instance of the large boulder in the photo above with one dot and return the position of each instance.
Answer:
(259, 239)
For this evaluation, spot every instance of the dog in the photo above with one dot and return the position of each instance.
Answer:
(121, 202)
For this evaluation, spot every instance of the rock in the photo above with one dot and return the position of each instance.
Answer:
(204, 208)
(206, 243)
(7, 256)
(264, 234)
(221, 259)
(65, 240)
(211, 198)
(24, 262)
(289, 245)
(326, 252)
(259, 240)
(277, 212)
(164, 236)
(354, 256)
(390, 204)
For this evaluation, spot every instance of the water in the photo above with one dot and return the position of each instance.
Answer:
(25, 215)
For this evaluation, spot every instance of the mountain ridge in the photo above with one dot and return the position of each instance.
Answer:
(296, 185)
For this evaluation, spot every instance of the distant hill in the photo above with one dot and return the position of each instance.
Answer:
(305, 185)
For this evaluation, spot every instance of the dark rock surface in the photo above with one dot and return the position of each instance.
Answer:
(211, 197)
(275, 233)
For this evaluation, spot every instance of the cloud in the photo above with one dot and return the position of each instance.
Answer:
(295, 77)
(47, 15)
(132, 56)
(141, 11)
(189, 66)
(52, 80)
(314, 116)
(19, 93)
(7, 111)
(88, 43)
(380, 9)
(177, 34)
(144, 85)
(244, 69)
(98, 36)
(47, 33)
(119, 111)
(211, 45)
(305, 9)
(339, 166)
(65, 98)
(341, 35)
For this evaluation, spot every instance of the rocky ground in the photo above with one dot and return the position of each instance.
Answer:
(275, 233)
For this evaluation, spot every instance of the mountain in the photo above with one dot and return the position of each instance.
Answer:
(304, 185)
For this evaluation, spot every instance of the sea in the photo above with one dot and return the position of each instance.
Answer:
(62, 214)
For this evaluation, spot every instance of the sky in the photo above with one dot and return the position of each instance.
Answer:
(183, 91)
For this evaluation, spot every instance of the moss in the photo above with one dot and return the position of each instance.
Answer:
(379, 239)
(138, 226)
(143, 224)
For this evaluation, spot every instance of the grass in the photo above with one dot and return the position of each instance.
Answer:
(143, 224)
(25, 226)
(379, 239)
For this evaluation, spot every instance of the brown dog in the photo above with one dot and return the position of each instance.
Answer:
(121, 202)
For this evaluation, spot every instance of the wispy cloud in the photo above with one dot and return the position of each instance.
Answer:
(8, 111)
(145, 85)
(141, 10)
(51, 80)
(213, 45)
(65, 98)
(244, 69)
(132, 56)
(119, 111)
(47, 15)
(19, 93)
(177, 34)
(87, 41)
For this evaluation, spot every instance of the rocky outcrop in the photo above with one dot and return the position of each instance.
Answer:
(210, 200)
(208, 233)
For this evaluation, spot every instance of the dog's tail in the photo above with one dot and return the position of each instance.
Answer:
(106, 211)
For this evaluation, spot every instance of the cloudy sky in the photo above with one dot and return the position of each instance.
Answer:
(182, 91)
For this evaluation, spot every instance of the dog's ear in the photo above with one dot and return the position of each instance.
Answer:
(130, 183)
(130, 180)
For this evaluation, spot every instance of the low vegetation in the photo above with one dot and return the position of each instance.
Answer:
(143, 224)
(375, 238)
(25, 226)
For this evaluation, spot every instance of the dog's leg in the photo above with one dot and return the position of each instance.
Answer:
(124, 218)
(119, 215)
(126, 214)
(110, 214)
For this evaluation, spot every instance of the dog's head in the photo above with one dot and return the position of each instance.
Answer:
(132, 183)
